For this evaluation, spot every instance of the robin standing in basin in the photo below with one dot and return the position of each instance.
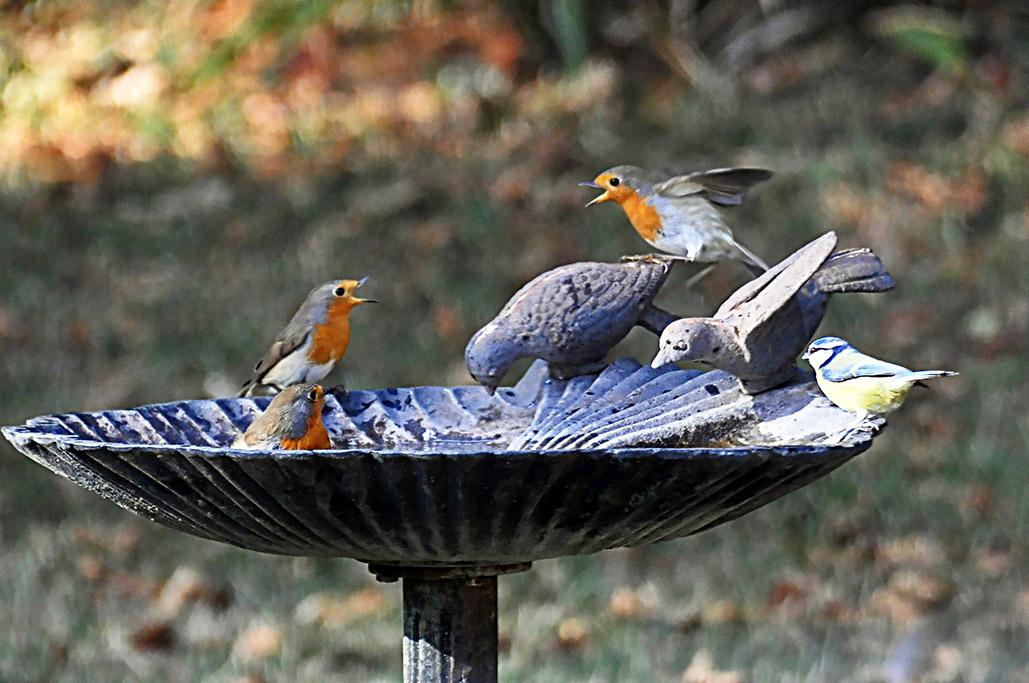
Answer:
(679, 215)
(292, 422)
(313, 341)
(861, 384)
(570, 316)
(758, 332)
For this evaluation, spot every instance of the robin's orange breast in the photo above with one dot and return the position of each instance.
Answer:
(315, 438)
(644, 217)
(332, 337)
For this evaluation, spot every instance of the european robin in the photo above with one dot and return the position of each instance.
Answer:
(759, 330)
(571, 317)
(292, 421)
(678, 215)
(313, 341)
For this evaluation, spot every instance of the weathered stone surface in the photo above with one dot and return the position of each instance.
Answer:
(452, 476)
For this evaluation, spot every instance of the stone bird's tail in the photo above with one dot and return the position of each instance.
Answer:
(853, 270)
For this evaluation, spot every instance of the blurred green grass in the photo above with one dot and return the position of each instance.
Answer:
(165, 279)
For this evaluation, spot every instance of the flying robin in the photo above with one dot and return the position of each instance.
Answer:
(679, 215)
(759, 330)
(313, 341)
(292, 422)
(570, 316)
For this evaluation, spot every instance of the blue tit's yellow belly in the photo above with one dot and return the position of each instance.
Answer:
(875, 395)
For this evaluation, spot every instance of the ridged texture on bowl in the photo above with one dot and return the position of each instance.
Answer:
(437, 475)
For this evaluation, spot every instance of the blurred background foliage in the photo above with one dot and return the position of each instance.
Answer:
(176, 176)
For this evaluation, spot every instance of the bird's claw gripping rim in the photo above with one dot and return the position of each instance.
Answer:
(650, 258)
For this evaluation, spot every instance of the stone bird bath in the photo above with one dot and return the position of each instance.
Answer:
(448, 487)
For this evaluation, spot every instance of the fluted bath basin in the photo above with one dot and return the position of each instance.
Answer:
(452, 476)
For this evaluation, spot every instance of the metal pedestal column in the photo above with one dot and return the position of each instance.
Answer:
(450, 621)
(450, 630)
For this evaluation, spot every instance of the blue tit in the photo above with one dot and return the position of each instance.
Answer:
(861, 384)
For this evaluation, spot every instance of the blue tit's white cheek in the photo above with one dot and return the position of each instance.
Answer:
(817, 357)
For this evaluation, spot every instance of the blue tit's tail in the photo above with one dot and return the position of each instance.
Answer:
(853, 270)
(919, 375)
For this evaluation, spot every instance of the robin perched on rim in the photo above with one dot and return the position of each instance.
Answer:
(679, 215)
(313, 341)
(292, 421)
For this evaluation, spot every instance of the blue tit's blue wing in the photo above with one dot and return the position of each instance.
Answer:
(865, 366)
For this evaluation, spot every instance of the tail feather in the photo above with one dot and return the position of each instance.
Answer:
(853, 270)
(919, 375)
(750, 259)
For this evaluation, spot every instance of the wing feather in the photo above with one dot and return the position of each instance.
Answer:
(865, 367)
(724, 186)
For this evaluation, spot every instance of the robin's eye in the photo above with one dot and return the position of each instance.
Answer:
(312, 395)
(339, 291)
(615, 182)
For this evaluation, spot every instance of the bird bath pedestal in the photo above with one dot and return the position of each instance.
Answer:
(445, 488)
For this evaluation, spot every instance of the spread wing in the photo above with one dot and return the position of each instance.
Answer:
(755, 303)
(724, 186)
(861, 366)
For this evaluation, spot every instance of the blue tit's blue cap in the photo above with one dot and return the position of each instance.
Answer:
(827, 343)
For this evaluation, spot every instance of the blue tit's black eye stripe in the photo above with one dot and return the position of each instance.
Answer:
(836, 350)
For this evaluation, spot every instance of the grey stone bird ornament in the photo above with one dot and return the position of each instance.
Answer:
(570, 316)
(758, 332)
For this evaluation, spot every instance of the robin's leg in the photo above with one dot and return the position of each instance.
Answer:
(654, 258)
(699, 276)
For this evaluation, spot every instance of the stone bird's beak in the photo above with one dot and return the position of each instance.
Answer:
(661, 359)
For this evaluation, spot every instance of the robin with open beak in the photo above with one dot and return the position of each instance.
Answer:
(292, 422)
(679, 215)
(313, 342)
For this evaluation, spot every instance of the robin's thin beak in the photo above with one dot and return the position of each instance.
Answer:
(599, 199)
(365, 301)
(490, 389)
